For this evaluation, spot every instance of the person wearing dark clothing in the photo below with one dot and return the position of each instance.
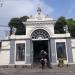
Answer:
(43, 54)
(43, 59)
(42, 63)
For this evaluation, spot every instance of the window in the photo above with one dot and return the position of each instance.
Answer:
(20, 52)
(61, 50)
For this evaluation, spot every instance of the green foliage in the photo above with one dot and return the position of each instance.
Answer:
(63, 21)
(71, 24)
(24, 18)
(21, 29)
(60, 24)
(17, 23)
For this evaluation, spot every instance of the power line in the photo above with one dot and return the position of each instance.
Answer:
(3, 26)
(4, 30)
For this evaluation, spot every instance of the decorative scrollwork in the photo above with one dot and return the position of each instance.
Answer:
(39, 34)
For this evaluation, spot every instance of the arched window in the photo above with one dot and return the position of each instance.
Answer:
(39, 34)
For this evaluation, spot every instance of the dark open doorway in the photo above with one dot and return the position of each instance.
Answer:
(37, 47)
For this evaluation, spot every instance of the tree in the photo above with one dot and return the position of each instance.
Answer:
(17, 23)
(60, 24)
(61, 21)
(71, 25)
(24, 18)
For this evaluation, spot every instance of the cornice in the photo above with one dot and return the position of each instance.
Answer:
(39, 22)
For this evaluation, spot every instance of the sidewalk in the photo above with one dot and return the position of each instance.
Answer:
(55, 69)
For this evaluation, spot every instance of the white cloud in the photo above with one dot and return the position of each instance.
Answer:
(16, 8)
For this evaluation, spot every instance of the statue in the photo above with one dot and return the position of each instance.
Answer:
(66, 28)
(13, 31)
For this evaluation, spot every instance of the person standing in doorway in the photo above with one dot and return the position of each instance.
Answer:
(43, 54)
(43, 59)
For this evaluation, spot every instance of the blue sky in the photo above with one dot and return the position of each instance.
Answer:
(17, 8)
(62, 8)
(54, 8)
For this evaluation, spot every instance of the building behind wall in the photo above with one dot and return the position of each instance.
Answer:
(25, 49)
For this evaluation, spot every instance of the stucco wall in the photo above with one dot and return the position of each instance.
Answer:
(5, 53)
(73, 49)
(4, 57)
(19, 62)
(48, 28)
(61, 40)
(5, 45)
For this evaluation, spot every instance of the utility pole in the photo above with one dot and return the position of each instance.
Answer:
(1, 3)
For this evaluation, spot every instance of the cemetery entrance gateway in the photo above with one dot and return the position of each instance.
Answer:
(40, 41)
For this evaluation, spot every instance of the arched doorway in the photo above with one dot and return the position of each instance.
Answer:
(40, 41)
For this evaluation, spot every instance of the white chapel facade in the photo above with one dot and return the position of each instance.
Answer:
(25, 49)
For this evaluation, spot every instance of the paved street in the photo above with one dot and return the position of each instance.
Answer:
(38, 71)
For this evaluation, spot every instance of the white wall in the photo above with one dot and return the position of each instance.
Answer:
(73, 49)
(5, 53)
(4, 57)
(5, 45)
(19, 42)
(31, 28)
(61, 40)
(73, 52)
